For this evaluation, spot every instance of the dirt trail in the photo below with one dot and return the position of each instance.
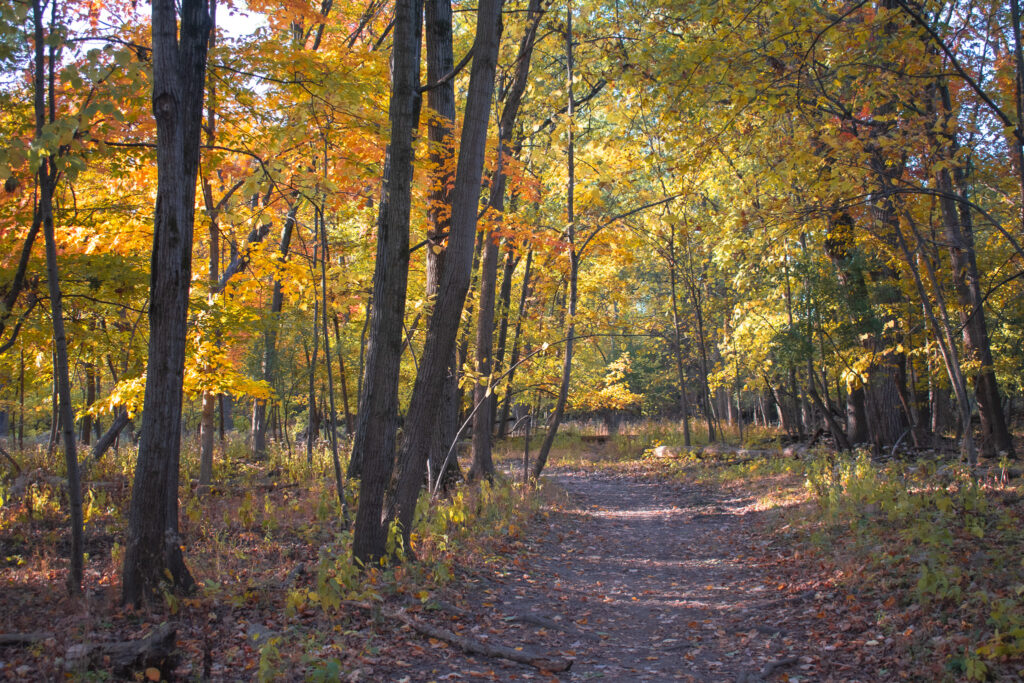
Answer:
(643, 580)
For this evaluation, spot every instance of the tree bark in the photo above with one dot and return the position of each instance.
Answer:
(108, 437)
(959, 235)
(47, 179)
(90, 398)
(455, 279)
(440, 62)
(942, 331)
(684, 407)
(339, 483)
(349, 427)
(483, 392)
(373, 449)
(524, 296)
(209, 399)
(570, 337)
(259, 412)
(153, 550)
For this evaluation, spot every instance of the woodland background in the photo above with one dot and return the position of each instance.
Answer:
(786, 219)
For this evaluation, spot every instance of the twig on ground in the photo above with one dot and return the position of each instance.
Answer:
(539, 661)
(766, 671)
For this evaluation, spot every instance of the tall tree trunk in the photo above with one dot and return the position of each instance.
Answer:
(570, 337)
(153, 550)
(21, 399)
(47, 181)
(941, 329)
(341, 375)
(503, 310)
(313, 424)
(451, 296)
(684, 407)
(333, 422)
(373, 449)
(524, 296)
(959, 236)
(698, 311)
(90, 397)
(483, 393)
(209, 399)
(45, 111)
(259, 412)
(441, 62)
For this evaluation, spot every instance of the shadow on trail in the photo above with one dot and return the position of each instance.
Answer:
(638, 579)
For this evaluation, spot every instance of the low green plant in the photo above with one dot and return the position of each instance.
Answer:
(921, 520)
(270, 660)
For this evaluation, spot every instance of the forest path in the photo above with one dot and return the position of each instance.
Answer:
(641, 579)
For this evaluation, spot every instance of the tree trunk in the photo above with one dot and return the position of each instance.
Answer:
(524, 296)
(440, 62)
(696, 299)
(856, 416)
(339, 483)
(684, 407)
(313, 423)
(373, 449)
(153, 550)
(959, 235)
(958, 231)
(259, 413)
(942, 331)
(108, 437)
(90, 398)
(570, 337)
(503, 310)
(483, 393)
(207, 425)
(47, 179)
(341, 375)
(451, 297)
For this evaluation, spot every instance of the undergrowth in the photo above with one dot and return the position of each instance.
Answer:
(949, 543)
(937, 543)
(266, 541)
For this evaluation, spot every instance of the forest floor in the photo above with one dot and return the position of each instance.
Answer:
(636, 578)
(696, 568)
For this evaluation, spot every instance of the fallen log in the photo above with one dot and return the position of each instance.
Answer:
(125, 657)
(538, 661)
(109, 436)
(16, 468)
(23, 638)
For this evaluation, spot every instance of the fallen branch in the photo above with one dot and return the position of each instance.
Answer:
(766, 671)
(539, 661)
(23, 638)
(10, 458)
(258, 485)
(772, 667)
(109, 436)
(123, 658)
